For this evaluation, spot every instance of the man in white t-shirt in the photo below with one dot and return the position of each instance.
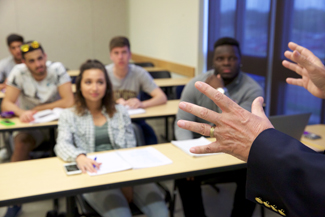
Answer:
(38, 84)
(129, 80)
(14, 42)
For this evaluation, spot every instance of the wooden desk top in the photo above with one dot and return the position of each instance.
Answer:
(171, 82)
(45, 178)
(23, 126)
(163, 82)
(317, 144)
(168, 109)
(75, 73)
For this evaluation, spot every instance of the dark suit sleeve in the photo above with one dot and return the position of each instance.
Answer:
(285, 174)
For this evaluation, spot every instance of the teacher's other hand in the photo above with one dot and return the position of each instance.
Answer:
(235, 128)
(309, 67)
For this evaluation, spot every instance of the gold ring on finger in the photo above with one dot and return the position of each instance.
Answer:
(212, 131)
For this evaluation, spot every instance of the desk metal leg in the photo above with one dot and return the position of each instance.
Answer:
(71, 207)
(9, 144)
(166, 129)
(173, 200)
(52, 140)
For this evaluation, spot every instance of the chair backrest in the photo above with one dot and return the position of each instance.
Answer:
(138, 133)
(145, 64)
(160, 74)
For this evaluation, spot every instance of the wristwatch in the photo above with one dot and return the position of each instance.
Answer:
(222, 89)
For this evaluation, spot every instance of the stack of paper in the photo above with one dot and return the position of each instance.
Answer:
(185, 145)
(136, 111)
(47, 115)
(129, 159)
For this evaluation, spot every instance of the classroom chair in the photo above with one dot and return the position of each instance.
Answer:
(86, 210)
(144, 64)
(158, 75)
(212, 182)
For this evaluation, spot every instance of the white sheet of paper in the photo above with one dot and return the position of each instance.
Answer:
(185, 145)
(136, 111)
(144, 157)
(47, 115)
(111, 162)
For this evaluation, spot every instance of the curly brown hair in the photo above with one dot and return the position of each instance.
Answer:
(108, 100)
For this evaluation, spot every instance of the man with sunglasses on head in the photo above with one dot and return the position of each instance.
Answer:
(38, 84)
(14, 42)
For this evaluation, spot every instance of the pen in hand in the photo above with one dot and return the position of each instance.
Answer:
(94, 160)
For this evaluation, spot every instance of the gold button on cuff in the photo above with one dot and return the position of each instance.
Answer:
(259, 200)
(267, 204)
(282, 212)
(274, 208)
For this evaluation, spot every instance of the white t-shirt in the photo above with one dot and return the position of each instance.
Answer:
(6, 66)
(137, 80)
(34, 92)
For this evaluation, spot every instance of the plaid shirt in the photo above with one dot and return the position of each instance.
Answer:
(77, 135)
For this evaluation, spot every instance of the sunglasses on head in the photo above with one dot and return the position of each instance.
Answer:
(26, 47)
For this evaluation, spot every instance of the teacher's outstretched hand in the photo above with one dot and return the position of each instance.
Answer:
(309, 67)
(235, 128)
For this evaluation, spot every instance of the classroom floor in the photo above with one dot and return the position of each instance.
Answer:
(216, 204)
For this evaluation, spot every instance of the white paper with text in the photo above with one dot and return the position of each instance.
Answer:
(111, 162)
(185, 145)
(144, 157)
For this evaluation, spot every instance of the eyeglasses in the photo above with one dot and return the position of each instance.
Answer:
(26, 47)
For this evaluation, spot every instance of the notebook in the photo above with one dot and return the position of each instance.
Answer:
(129, 159)
(292, 125)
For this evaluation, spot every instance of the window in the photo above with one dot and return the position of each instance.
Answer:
(227, 18)
(308, 30)
(251, 22)
(256, 27)
(308, 26)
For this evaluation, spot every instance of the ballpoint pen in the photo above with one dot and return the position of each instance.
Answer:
(95, 160)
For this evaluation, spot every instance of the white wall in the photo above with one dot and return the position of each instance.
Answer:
(70, 31)
(170, 30)
(75, 30)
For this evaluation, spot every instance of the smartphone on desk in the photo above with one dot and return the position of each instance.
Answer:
(312, 136)
(71, 169)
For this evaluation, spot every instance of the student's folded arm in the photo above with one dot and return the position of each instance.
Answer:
(66, 101)
(65, 147)
(158, 98)
(9, 101)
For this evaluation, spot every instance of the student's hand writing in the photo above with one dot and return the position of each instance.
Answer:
(235, 128)
(86, 164)
(134, 103)
(309, 67)
(27, 116)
